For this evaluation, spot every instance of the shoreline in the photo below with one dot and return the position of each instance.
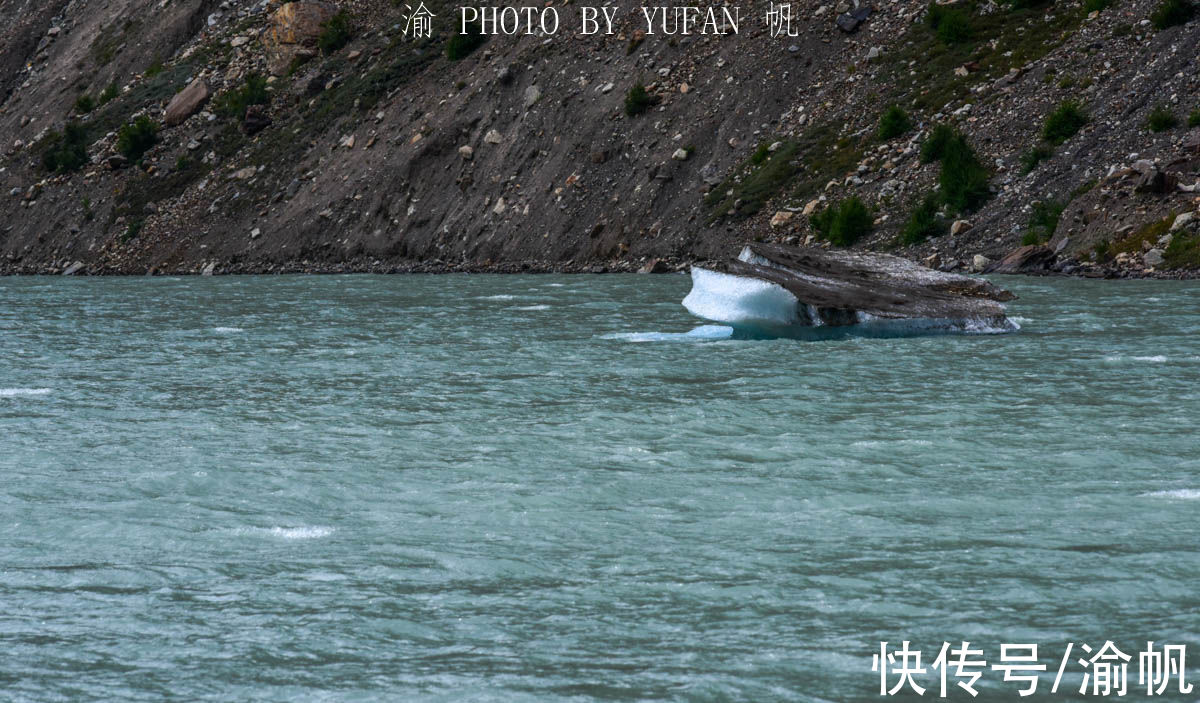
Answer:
(540, 267)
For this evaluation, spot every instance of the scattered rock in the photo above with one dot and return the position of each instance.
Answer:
(680, 155)
(1153, 258)
(245, 174)
(781, 218)
(73, 269)
(256, 120)
(532, 95)
(979, 262)
(210, 269)
(849, 21)
(654, 266)
(492, 137)
(960, 227)
(255, 233)
(1183, 220)
(466, 152)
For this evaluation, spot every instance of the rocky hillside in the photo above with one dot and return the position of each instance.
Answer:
(190, 136)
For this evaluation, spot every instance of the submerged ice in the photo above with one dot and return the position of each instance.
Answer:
(778, 291)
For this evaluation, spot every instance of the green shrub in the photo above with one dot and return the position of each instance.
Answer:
(1161, 119)
(637, 100)
(1194, 118)
(924, 223)
(936, 143)
(1090, 6)
(335, 33)
(951, 26)
(1044, 221)
(233, 103)
(1035, 156)
(1030, 238)
(893, 123)
(845, 223)
(964, 179)
(460, 46)
(66, 151)
(155, 68)
(136, 138)
(109, 93)
(760, 154)
(84, 104)
(133, 230)
(1064, 123)
(1171, 13)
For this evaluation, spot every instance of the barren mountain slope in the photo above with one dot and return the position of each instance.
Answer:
(386, 154)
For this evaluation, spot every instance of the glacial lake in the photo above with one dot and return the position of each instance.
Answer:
(551, 488)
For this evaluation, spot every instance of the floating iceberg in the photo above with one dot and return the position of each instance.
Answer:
(776, 291)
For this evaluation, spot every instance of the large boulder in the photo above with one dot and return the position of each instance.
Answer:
(293, 33)
(186, 103)
(1028, 259)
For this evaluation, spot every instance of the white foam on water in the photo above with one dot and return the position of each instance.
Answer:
(556, 285)
(534, 307)
(1117, 358)
(227, 330)
(739, 301)
(300, 532)
(700, 334)
(1179, 494)
(14, 392)
(496, 297)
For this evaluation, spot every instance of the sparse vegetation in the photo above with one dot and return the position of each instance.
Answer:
(1172, 13)
(155, 68)
(84, 104)
(1096, 5)
(924, 223)
(132, 230)
(754, 184)
(1145, 237)
(952, 26)
(1182, 252)
(1194, 118)
(1064, 123)
(233, 103)
(66, 151)
(109, 93)
(761, 153)
(637, 100)
(1161, 119)
(336, 33)
(894, 123)
(460, 46)
(845, 223)
(137, 137)
(1044, 221)
(1031, 159)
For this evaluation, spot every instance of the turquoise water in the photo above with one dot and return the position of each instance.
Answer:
(477, 488)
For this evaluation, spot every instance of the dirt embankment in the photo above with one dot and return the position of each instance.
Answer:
(381, 152)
